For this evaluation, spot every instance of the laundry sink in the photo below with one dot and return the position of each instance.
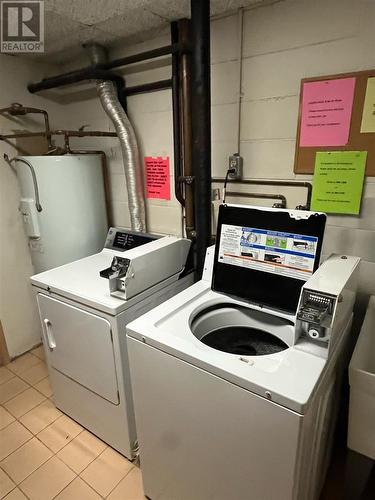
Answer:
(361, 432)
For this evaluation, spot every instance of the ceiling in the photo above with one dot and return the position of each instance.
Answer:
(69, 23)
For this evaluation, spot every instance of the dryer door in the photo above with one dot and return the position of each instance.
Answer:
(79, 345)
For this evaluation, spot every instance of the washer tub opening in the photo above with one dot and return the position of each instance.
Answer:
(243, 331)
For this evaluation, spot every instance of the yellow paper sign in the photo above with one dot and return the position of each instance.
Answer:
(368, 116)
(338, 181)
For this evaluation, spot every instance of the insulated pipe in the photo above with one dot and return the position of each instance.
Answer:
(132, 164)
(201, 126)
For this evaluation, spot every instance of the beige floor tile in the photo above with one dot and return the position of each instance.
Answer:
(5, 418)
(81, 451)
(36, 373)
(47, 481)
(44, 387)
(15, 494)
(106, 471)
(78, 489)
(23, 363)
(10, 389)
(40, 417)
(5, 374)
(129, 488)
(39, 352)
(60, 433)
(6, 484)
(12, 437)
(24, 402)
(21, 463)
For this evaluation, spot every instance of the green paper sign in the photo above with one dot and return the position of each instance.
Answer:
(338, 181)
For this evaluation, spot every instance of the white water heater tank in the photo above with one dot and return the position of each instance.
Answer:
(70, 221)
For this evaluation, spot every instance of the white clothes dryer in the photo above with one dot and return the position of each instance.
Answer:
(83, 323)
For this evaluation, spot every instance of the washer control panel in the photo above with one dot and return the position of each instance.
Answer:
(316, 311)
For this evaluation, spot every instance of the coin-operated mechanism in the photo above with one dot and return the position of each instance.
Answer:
(326, 302)
(140, 268)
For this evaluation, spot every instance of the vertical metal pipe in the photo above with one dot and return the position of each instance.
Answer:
(185, 76)
(176, 115)
(201, 126)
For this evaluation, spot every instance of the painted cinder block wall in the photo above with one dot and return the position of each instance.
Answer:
(282, 43)
(18, 311)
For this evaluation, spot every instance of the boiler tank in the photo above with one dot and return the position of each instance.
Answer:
(63, 207)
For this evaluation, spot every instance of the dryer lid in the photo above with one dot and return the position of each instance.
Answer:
(265, 255)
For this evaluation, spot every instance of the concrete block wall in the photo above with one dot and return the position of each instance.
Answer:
(18, 310)
(283, 42)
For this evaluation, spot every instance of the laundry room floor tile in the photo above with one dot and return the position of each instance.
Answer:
(38, 352)
(45, 454)
(40, 417)
(60, 433)
(47, 481)
(11, 389)
(5, 374)
(15, 494)
(23, 363)
(5, 418)
(24, 461)
(106, 471)
(6, 484)
(78, 489)
(80, 452)
(12, 437)
(129, 488)
(44, 387)
(24, 402)
(35, 374)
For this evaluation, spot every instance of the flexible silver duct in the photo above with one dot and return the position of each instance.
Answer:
(130, 152)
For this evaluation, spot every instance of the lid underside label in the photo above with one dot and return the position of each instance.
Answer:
(275, 252)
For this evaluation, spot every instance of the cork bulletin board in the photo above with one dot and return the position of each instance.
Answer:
(356, 140)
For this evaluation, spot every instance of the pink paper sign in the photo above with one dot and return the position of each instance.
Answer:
(158, 178)
(326, 112)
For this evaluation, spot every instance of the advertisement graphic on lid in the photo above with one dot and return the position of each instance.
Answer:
(283, 253)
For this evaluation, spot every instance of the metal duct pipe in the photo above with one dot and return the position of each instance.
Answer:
(132, 163)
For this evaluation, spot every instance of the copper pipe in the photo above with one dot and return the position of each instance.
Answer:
(185, 77)
(260, 182)
(16, 109)
(70, 133)
(266, 196)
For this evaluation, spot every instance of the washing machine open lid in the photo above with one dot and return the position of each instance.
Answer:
(265, 255)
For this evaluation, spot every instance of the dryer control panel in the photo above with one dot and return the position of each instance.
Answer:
(123, 239)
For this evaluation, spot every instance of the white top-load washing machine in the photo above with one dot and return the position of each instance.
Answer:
(84, 307)
(235, 380)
